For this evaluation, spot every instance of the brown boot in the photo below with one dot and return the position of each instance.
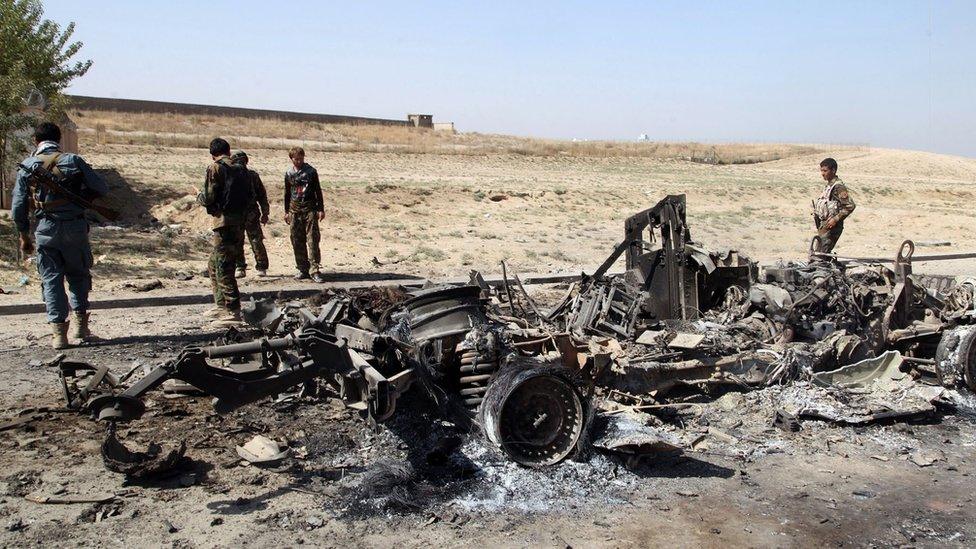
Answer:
(59, 333)
(81, 330)
(228, 319)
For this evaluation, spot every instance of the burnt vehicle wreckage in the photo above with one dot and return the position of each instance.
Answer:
(679, 319)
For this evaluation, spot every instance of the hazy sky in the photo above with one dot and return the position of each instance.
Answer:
(893, 74)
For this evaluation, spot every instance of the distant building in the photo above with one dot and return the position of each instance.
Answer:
(421, 120)
(643, 137)
(444, 127)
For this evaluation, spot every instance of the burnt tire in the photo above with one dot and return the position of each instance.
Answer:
(536, 416)
(955, 357)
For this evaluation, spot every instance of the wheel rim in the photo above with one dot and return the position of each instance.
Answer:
(540, 420)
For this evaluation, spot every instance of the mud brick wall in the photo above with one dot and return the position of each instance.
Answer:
(82, 102)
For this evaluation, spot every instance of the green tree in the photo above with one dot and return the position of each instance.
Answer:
(35, 64)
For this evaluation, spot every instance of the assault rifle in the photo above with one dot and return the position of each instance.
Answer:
(55, 185)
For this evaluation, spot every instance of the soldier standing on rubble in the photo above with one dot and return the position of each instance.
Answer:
(257, 215)
(226, 195)
(304, 209)
(63, 250)
(832, 207)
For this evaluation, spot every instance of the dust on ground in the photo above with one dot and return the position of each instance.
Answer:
(421, 481)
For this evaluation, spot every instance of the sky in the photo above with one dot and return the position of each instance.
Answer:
(884, 73)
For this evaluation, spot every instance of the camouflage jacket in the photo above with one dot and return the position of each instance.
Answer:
(260, 194)
(835, 202)
(213, 188)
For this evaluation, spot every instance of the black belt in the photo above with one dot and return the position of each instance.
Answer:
(40, 214)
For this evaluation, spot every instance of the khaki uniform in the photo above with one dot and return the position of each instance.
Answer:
(252, 225)
(833, 206)
(303, 200)
(228, 238)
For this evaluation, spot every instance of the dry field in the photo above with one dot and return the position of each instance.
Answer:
(469, 201)
(435, 205)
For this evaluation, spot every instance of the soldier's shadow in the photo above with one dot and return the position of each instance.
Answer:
(122, 197)
(366, 276)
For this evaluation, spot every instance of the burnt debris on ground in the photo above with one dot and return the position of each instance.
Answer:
(480, 396)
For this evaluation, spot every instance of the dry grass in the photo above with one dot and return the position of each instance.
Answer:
(195, 131)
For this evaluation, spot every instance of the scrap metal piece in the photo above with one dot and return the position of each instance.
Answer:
(67, 499)
(333, 311)
(116, 407)
(441, 312)
(649, 337)
(139, 465)
(961, 300)
(70, 373)
(624, 435)
(264, 314)
(363, 340)
(864, 373)
(604, 308)
(175, 388)
(261, 450)
(870, 390)
(686, 341)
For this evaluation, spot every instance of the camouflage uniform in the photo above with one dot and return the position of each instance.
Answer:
(832, 207)
(228, 238)
(252, 225)
(303, 200)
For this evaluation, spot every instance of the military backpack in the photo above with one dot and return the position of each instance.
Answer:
(237, 194)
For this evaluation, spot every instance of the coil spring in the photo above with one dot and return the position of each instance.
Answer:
(476, 369)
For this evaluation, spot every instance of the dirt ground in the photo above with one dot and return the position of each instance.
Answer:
(437, 215)
(750, 484)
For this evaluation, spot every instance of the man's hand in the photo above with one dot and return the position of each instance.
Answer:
(321, 216)
(287, 219)
(264, 219)
(26, 246)
(829, 224)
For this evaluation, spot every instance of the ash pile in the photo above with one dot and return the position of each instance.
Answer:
(502, 393)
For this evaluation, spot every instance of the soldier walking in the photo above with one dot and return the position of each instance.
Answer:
(226, 195)
(257, 215)
(832, 207)
(303, 211)
(63, 250)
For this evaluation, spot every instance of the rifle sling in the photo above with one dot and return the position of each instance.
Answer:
(50, 163)
(49, 205)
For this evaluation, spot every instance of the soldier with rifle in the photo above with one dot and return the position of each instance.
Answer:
(59, 187)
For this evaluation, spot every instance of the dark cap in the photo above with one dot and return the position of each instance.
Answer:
(239, 156)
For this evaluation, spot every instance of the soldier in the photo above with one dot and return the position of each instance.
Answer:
(226, 195)
(832, 208)
(257, 215)
(63, 250)
(303, 211)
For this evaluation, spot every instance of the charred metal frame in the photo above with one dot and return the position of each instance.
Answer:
(285, 362)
